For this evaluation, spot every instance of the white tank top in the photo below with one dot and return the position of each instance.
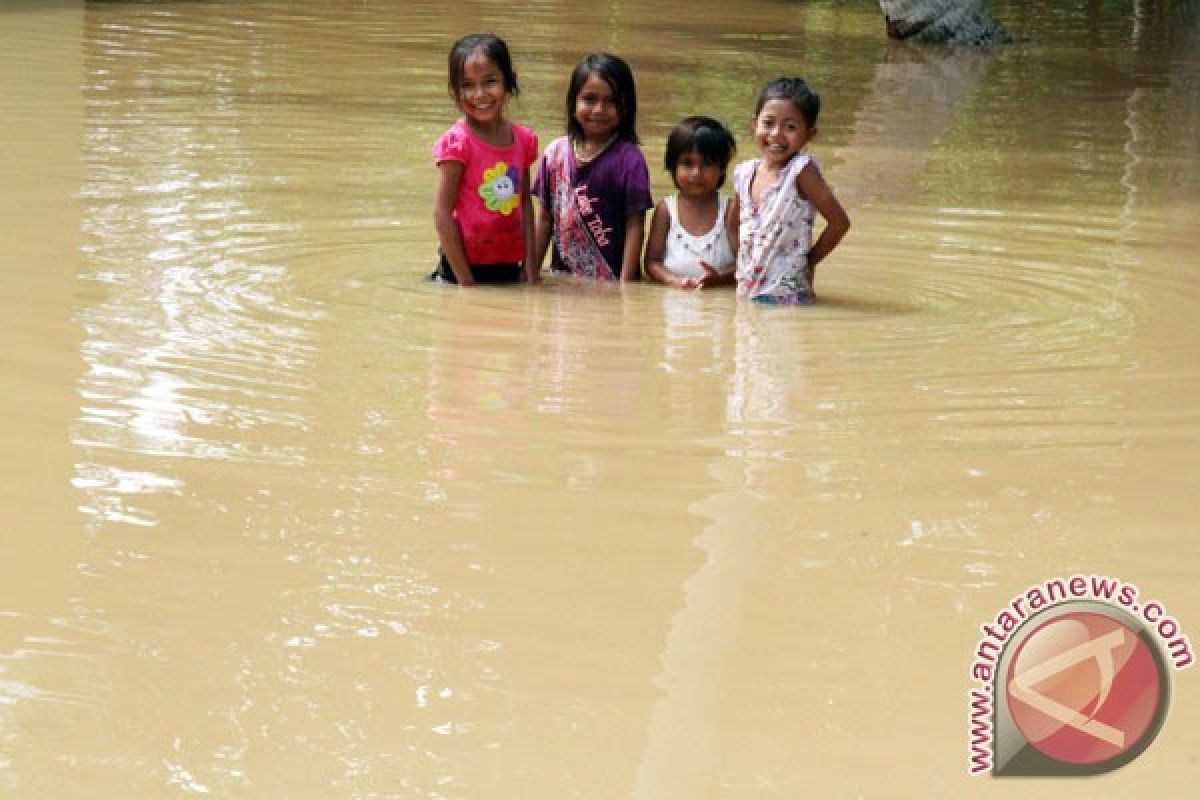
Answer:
(684, 251)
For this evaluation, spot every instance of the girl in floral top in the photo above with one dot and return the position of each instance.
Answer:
(777, 197)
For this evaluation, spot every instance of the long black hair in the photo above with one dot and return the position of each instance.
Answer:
(616, 73)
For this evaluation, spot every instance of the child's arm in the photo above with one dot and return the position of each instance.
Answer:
(733, 223)
(449, 176)
(543, 216)
(543, 228)
(812, 186)
(631, 257)
(533, 264)
(656, 248)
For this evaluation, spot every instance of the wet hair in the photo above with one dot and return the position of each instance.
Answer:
(493, 48)
(706, 136)
(616, 73)
(807, 102)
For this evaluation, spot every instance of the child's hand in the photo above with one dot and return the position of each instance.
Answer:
(710, 278)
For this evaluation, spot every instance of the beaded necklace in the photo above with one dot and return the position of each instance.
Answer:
(581, 159)
(703, 244)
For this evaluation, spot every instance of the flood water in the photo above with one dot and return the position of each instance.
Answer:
(281, 520)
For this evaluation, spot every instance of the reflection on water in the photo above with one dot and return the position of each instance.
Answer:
(288, 521)
(914, 97)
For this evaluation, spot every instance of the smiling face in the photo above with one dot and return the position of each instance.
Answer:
(482, 91)
(596, 109)
(696, 176)
(781, 131)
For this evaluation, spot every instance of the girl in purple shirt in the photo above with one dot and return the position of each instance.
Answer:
(593, 185)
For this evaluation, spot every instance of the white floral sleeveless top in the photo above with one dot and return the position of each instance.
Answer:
(774, 236)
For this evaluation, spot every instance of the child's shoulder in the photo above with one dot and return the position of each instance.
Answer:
(802, 160)
(458, 130)
(628, 154)
(558, 147)
(524, 131)
(624, 145)
(744, 171)
(453, 144)
(526, 136)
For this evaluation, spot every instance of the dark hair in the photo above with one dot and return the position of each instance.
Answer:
(807, 102)
(616, 73)
(493, 48)
(706, 136)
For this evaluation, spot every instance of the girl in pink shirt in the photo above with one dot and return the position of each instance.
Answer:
(482, 209)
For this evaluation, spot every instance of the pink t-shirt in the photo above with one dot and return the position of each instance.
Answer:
(488, 207)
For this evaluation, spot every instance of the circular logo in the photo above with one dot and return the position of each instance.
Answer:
(1085, 688)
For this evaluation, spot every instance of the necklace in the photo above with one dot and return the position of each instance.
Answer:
(581, 159)
(703, 246)
(700, 246)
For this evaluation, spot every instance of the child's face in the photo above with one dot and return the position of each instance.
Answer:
(482, 93)
(696, 176)
(781, 131)
(596, 109)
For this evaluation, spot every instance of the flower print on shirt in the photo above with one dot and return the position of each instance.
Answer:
(499, 188)
(776, 235)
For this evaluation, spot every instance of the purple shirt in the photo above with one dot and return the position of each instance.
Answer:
(588, 205)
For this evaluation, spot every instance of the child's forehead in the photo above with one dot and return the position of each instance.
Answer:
(781, 107)
(596, 81)
(479, 60)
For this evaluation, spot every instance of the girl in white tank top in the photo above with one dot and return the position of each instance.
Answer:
(685, 252)
(689, 245)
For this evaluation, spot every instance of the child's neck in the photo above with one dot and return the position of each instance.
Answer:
(494, 132)
(587, 148)
(697, 215)
(704, 203)
(775, 169)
